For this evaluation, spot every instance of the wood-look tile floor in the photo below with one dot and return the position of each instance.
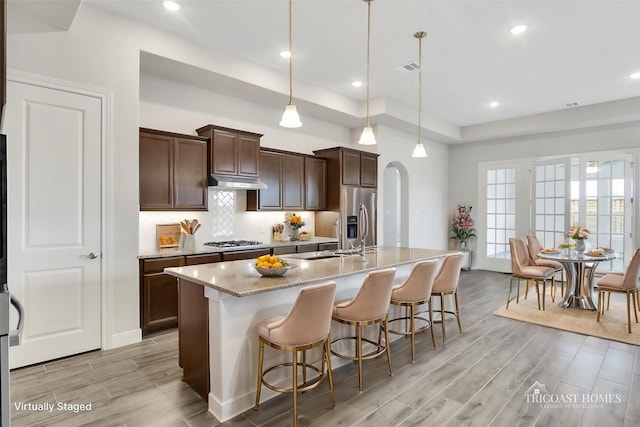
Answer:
(478, 378)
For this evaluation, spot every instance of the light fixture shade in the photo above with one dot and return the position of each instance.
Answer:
(419, 151)
(290, 117)
(367, 137)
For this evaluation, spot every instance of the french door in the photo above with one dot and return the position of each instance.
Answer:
(547, 197)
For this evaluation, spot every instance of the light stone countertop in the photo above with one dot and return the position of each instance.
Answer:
(239, 278)
(202, 249)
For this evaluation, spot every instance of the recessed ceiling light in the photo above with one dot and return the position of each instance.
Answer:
(356, 84)
(635, 76)
(494, 104)
(518, 29)
(285, 54)
(171, 5)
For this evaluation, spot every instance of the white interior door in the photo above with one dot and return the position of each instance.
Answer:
(54, 240)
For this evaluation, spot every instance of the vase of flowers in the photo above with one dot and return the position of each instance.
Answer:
(462, 226)
(296, 223)
(579, 234)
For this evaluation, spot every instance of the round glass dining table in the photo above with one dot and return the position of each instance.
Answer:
(580, 292)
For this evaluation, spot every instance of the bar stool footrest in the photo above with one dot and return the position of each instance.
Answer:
(308, 385)
(371, 355)
(408, 333)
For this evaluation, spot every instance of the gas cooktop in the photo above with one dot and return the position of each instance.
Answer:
(232, 243)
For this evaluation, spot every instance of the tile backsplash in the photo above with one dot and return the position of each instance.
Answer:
(226, 219)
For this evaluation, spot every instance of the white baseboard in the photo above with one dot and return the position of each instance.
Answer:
(125, 338)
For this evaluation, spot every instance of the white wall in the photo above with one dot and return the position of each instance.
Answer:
(427, 187)
(103, 50)
(97, 51)
(464, 158)
(181, 108)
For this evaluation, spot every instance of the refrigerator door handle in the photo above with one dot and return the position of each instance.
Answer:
(364, 220)
(16, 336)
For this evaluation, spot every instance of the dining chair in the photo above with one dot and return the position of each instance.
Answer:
(534, 249)
(626, 284)
(307, 325)
(523, 268)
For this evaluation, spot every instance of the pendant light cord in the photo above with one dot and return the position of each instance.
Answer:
(420, 90)
(290, 56)
(368, 55)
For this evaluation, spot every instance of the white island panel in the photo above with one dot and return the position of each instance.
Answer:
(238, 299)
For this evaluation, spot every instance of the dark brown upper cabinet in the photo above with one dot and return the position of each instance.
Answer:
(232, 152)
(350, 167)
(315, 170)
(271, 174)
(173, 171)
(369, 170)
(295, 182)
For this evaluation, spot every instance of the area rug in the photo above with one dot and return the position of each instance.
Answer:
(612, 326)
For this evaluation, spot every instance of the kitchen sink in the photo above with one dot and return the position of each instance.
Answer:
(312, 255)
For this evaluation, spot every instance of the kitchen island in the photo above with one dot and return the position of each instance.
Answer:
(221, 304)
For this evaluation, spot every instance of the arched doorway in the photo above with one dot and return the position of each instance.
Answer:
(395, 218)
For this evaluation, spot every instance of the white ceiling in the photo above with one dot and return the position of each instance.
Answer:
(572, 51)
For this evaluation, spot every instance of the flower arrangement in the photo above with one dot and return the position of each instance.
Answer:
(578, 232)
(295, 221)
(462, 224)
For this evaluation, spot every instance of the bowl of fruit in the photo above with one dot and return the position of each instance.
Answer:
(272, 266)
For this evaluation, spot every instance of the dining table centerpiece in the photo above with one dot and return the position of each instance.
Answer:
(462, 227)
(579, 234)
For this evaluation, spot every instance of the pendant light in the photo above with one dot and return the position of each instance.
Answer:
(290, 117)
(367, 137)
(418, 150)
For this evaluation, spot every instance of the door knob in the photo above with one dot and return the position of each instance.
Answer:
(91, 255)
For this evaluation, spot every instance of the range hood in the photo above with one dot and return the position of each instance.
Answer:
(225, 182)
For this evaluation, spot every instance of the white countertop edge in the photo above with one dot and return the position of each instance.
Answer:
(177, 272)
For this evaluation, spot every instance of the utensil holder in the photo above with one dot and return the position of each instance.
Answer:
(188, 242)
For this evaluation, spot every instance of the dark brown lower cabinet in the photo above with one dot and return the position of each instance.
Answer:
(158, 294)
(193, 329)
(279, 250)
(248, 254)
(193, 335)
(327, 246)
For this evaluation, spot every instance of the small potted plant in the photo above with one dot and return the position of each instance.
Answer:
(462, 227)
(296, 222)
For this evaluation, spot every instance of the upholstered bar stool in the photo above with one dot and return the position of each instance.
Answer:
(307, 325)
(368, 307)
(446, 283)
(413, 292)
(523, 268)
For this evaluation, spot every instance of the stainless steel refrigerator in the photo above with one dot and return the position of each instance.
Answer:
(355, 217)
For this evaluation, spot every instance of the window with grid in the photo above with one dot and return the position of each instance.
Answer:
(602, 209)
(550, 188)
(501, 211)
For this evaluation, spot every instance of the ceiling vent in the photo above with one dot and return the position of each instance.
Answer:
(572, 104)
(407, 68)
